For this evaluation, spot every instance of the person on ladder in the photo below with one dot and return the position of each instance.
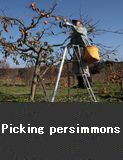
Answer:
(79, 37)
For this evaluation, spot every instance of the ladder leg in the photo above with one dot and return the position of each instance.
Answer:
(68, 79)
(59, 75)
(88, 86)
(84, 76)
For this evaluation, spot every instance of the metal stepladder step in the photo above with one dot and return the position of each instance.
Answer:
(83, 74)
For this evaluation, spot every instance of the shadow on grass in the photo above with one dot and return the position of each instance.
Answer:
(20, 98)
(12, 98)
(112, 97)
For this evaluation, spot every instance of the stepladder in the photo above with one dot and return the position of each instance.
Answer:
(77, 53)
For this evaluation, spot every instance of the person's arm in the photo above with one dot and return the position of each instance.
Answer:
(81, 30)
(68, 24)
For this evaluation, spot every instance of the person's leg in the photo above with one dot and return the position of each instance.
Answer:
(87, 72)
(80, 82)
(85, 67)
(76, 69)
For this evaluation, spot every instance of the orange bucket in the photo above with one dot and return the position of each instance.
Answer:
(91, 54)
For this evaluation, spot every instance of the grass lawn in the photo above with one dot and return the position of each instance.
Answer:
(20, 93)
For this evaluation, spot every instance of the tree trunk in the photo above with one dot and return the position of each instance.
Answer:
(35, 77)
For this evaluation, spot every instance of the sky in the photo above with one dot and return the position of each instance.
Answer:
(107, 12)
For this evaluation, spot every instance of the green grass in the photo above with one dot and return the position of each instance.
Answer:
(20, 93)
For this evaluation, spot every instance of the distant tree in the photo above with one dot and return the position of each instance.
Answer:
(4, 64)
(115, 74)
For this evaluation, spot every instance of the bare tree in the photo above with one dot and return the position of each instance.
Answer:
(32, 45)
